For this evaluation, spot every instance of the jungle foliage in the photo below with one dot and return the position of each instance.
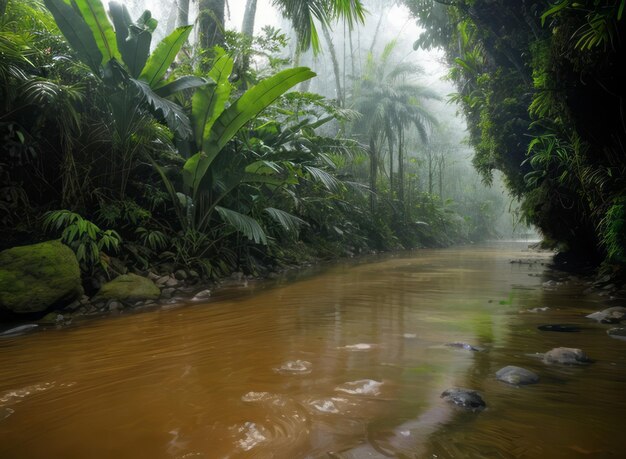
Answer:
(542, 86)
(147, 157)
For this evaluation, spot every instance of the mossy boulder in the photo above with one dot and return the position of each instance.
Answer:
(129, 287)
(35, 277)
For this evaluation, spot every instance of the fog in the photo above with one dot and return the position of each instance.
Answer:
(386, 21)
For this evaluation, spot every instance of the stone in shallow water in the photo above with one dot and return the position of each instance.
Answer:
(566, 356)
(516, 376)
(617, 333)
(609, 316)
(563, 328)
(464, 398)
(466, 346)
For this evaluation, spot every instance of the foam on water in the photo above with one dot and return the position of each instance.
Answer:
(251, 435)
(295, 367)
(361, 387)
(358, 347)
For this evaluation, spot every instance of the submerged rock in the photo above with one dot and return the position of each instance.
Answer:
(516, 376)
(617, 333)
(129, 287)
(21, 330)
(566, 356)
(562, 328)
(36, 277)
(464, 398)
(609, 316)
(466, 346)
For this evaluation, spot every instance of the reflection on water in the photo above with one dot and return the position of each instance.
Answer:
(348, 363)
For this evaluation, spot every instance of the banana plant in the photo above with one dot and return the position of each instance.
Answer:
(215, 123)
(119, 53)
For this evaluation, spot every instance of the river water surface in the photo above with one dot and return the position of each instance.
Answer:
(349, 363)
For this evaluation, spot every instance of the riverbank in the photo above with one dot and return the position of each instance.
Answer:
(184, 287)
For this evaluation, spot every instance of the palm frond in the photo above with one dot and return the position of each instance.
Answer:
(245, 224)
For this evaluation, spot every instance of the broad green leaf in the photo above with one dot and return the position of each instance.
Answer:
(76, 32)
(208, 103)
(96, 18)
(182, 83)
(133, 41)
(164, 54)
(245, 224)
(249, 105)
(193, 172)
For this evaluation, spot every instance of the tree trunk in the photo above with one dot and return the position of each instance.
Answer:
(373, 171)
(3, 7)
(211, 23)
(401, 165)
(333, 57)
(247, 26)
(390, 146)
(182, 18)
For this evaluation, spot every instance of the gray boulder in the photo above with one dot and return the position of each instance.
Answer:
(566, 356)
(129, 287)
(35, 277)
(610, 315)
(617, 333)
(516, 376)
(464, 398)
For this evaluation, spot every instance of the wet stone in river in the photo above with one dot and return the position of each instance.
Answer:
(561, 328)
(566, 356)
(466, 346)
(465, 398)
(516, 376)
(617, 333)
(609, 316)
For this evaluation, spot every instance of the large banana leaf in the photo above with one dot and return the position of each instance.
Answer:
(182, 83)
(249, 105)
(95, 17)
(208, 103)
(164, 54)
(76, 32)
(133, 40)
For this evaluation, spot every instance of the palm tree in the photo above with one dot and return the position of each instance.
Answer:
(392, 103)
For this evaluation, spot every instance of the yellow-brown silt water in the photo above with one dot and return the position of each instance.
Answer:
(348, 362)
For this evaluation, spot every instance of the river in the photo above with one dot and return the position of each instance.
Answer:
(348, 362)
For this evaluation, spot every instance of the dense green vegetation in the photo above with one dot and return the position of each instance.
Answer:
(185, 155)
(542, 86)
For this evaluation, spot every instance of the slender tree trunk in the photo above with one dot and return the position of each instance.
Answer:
(401, 166)
(211, 22)
(247, 26)
(373, 171)
(3, 7)
(336, 71)
(430, 170)
(182, 18)
(390, 146)
(247, 29)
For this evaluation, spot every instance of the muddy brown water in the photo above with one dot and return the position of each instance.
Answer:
(347, 363)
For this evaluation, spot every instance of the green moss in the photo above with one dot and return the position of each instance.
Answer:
(129, 287)
(35, 277)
